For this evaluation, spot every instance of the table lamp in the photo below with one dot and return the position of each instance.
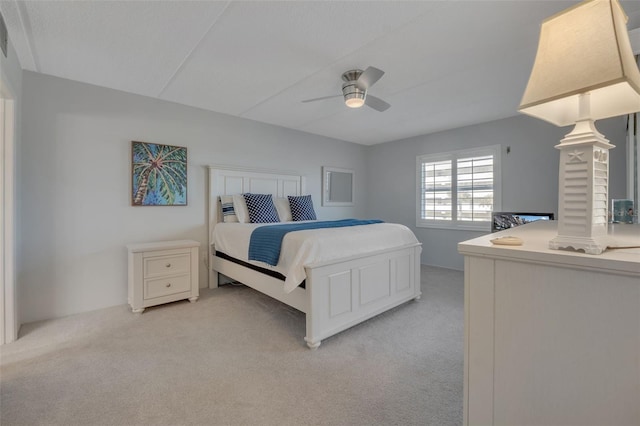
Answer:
(584, 71)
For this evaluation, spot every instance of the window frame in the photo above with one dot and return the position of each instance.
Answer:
(453, 157)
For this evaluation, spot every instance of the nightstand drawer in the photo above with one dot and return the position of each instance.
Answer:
(166, 265)
(165, 286)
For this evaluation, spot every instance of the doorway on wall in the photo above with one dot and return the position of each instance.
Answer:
(8, 314)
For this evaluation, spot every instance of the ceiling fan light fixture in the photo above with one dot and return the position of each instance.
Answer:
(356, 87)
(355, 100)
(353, 95)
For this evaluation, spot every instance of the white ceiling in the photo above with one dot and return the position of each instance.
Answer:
(448, 63)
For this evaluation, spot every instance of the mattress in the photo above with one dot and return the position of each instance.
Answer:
(311, 247)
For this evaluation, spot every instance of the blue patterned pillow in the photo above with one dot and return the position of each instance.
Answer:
(302, 207)
(228, 212)
(261, 208)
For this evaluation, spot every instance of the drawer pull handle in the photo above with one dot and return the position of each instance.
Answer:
(168, 285)
(168, 265)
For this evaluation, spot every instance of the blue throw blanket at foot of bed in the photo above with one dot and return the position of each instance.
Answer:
(266, 241)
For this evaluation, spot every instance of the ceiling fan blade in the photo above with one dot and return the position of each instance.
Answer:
(369, 77)
(376, 103)
(322, 98)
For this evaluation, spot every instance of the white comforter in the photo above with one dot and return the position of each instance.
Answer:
(313, 246)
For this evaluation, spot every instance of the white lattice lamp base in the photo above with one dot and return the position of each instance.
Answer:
(583, 185)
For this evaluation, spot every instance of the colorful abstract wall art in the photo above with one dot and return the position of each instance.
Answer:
(159, 174)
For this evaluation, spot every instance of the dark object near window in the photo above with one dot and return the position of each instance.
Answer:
(4, 36)
(505, 220)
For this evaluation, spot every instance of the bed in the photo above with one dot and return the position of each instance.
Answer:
(336, 293)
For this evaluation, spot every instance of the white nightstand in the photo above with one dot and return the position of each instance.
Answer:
(162, 272)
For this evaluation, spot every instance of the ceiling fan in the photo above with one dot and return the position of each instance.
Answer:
(355, 89)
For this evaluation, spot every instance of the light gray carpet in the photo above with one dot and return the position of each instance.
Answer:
(237, 357)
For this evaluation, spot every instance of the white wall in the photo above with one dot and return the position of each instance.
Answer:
(529, 174)
(76, 176)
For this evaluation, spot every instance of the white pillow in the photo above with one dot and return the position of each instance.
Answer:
(228, 209)
(284, 211)
(240, 206)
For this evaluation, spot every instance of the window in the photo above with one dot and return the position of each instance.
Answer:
(458, 189)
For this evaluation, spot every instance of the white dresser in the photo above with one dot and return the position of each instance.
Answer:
(162, 272)
(552, 337)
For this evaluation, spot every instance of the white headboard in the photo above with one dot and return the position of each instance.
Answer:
(228, 180)
(235, 180)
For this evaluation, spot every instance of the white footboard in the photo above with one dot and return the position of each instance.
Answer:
(341, 295)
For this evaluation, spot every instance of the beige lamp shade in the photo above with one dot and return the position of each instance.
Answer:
(584, 49)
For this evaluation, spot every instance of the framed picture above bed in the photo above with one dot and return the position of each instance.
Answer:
(337, 187)
(158, 174)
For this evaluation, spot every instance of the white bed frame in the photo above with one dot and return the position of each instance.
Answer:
(338, 294)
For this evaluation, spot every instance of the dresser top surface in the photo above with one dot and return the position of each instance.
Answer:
(535, 247)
